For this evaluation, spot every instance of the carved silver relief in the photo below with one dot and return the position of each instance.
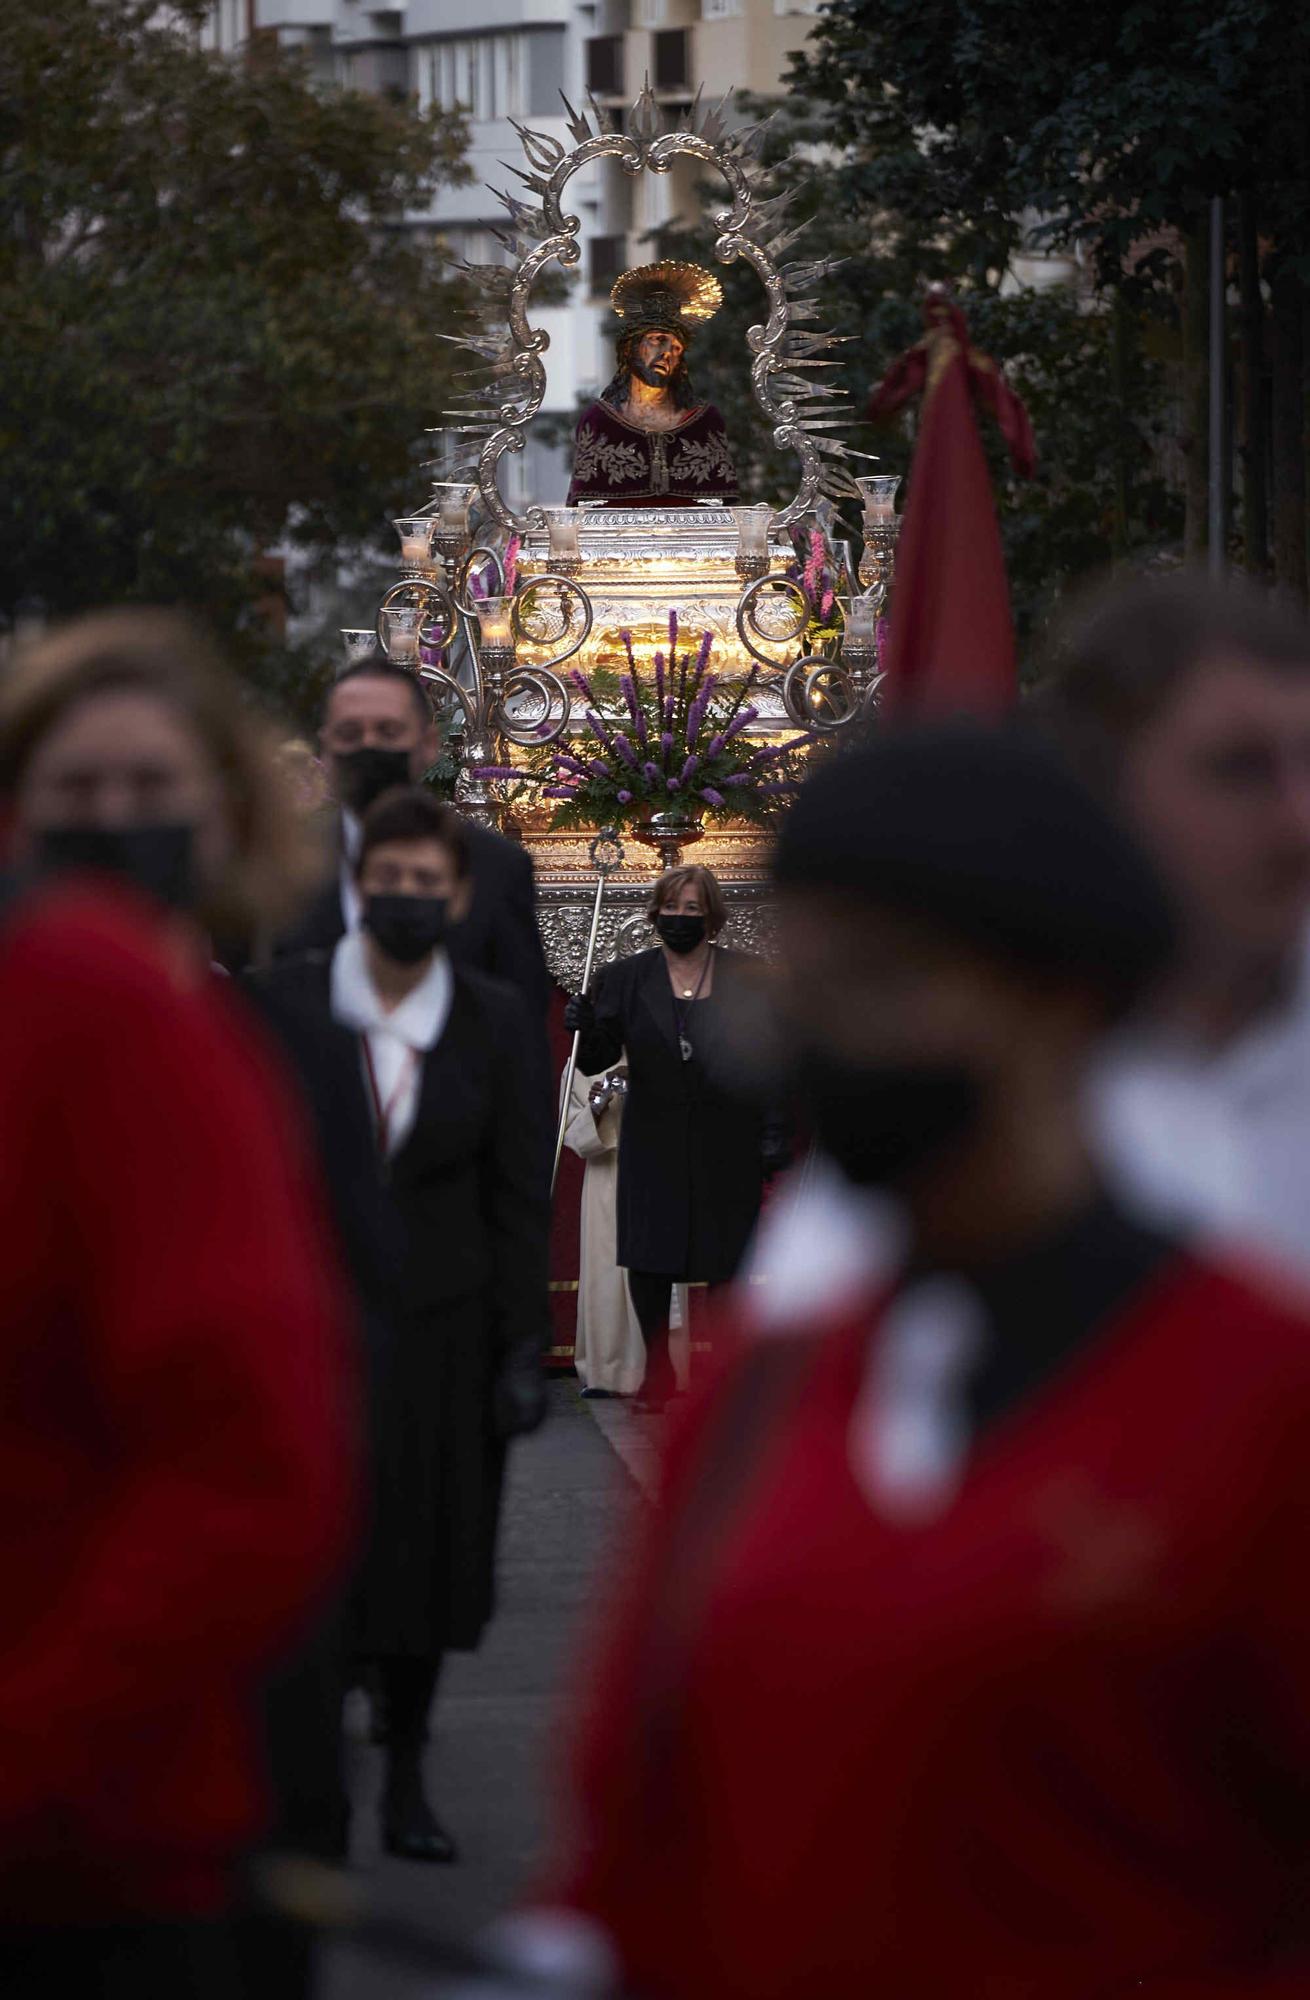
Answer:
(564, 914)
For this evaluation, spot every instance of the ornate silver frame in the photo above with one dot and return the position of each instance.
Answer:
(507, 388)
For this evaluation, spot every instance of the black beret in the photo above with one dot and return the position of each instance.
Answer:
(983, 833)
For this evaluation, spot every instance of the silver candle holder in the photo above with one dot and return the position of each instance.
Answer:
(881, 526)
(753, 540)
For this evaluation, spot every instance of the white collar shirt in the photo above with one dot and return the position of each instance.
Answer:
(1214, 1139)
(352, 834)
(394, 1042)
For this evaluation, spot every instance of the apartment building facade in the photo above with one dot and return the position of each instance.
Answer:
(511, 59)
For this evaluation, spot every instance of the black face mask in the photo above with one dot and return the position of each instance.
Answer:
(681, 934)
(882, 1125)
(160, 860)
(363, 775)
(407, 927)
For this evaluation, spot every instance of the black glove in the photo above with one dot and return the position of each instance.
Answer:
(519, 1397)
(580, 1015)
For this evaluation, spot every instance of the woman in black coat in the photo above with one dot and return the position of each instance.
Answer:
(694, 1149)
(442, 1057)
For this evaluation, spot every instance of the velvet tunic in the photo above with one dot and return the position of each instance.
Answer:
(1047, 1737)
(621, 465)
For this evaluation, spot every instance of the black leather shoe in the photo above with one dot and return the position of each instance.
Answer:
(418, 1835)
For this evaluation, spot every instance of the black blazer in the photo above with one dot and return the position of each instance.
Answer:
(499, 936)
(691, 1166)
(470, 1183)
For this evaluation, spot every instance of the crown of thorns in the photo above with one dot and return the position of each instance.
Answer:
(668, 297)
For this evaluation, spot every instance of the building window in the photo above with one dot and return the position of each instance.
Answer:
(797, 6)
(484, 75)
(672, 59)
(605, 260)
(650, 13)
(472, 243)
(605, 65)
(719, 10)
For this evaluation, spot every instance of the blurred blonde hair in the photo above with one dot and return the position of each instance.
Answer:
(164, 655)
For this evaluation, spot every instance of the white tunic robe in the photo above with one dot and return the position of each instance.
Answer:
(608, 1352)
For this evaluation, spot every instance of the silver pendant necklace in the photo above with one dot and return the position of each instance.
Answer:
(691, 995)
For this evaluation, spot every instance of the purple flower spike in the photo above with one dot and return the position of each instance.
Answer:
(628, 689)
(582, 684)
(737, 778)
(625, 640)
(674, 786)
(659, 679)
(666, 741)
(706, 648)
(673, 628)
(767, 755)
(625, 798)
(626, 751)
(691, 765)
(715, 744)
(668, 712)
(560, 792)
(711, 797)
(599, 770)
(651, 772)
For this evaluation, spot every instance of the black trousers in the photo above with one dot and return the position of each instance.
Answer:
(407, 1688)
(652, 1296)
(128, 1961)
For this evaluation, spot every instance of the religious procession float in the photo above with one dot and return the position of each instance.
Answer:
(647, 668)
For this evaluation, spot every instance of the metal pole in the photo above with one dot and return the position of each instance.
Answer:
(605, 867)
(1217, 551)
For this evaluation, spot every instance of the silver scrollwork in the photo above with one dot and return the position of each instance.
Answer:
(509, 384)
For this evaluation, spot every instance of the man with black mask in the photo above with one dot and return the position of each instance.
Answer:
(378, 732)
(438, 1060)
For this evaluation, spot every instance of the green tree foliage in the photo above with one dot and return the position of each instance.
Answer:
(216, 334)
(1108, 128)
(1094, 387)
(941, 139)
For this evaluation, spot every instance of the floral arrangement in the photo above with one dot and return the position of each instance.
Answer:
(680, 749)
(816, 577)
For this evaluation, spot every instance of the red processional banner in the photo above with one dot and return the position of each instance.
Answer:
(951, 646)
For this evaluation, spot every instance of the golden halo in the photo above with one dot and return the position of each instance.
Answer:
(677, 297)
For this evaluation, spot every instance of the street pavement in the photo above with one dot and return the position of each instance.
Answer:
(569, 1504)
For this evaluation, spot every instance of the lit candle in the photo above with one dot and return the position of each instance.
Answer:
(753, 530)
(562, 527)
(416, 532)
(879, 499)
(454, 504)
(861, 623)
(494, 624)
(402, 633)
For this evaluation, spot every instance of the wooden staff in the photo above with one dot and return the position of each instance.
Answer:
(606, 853)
